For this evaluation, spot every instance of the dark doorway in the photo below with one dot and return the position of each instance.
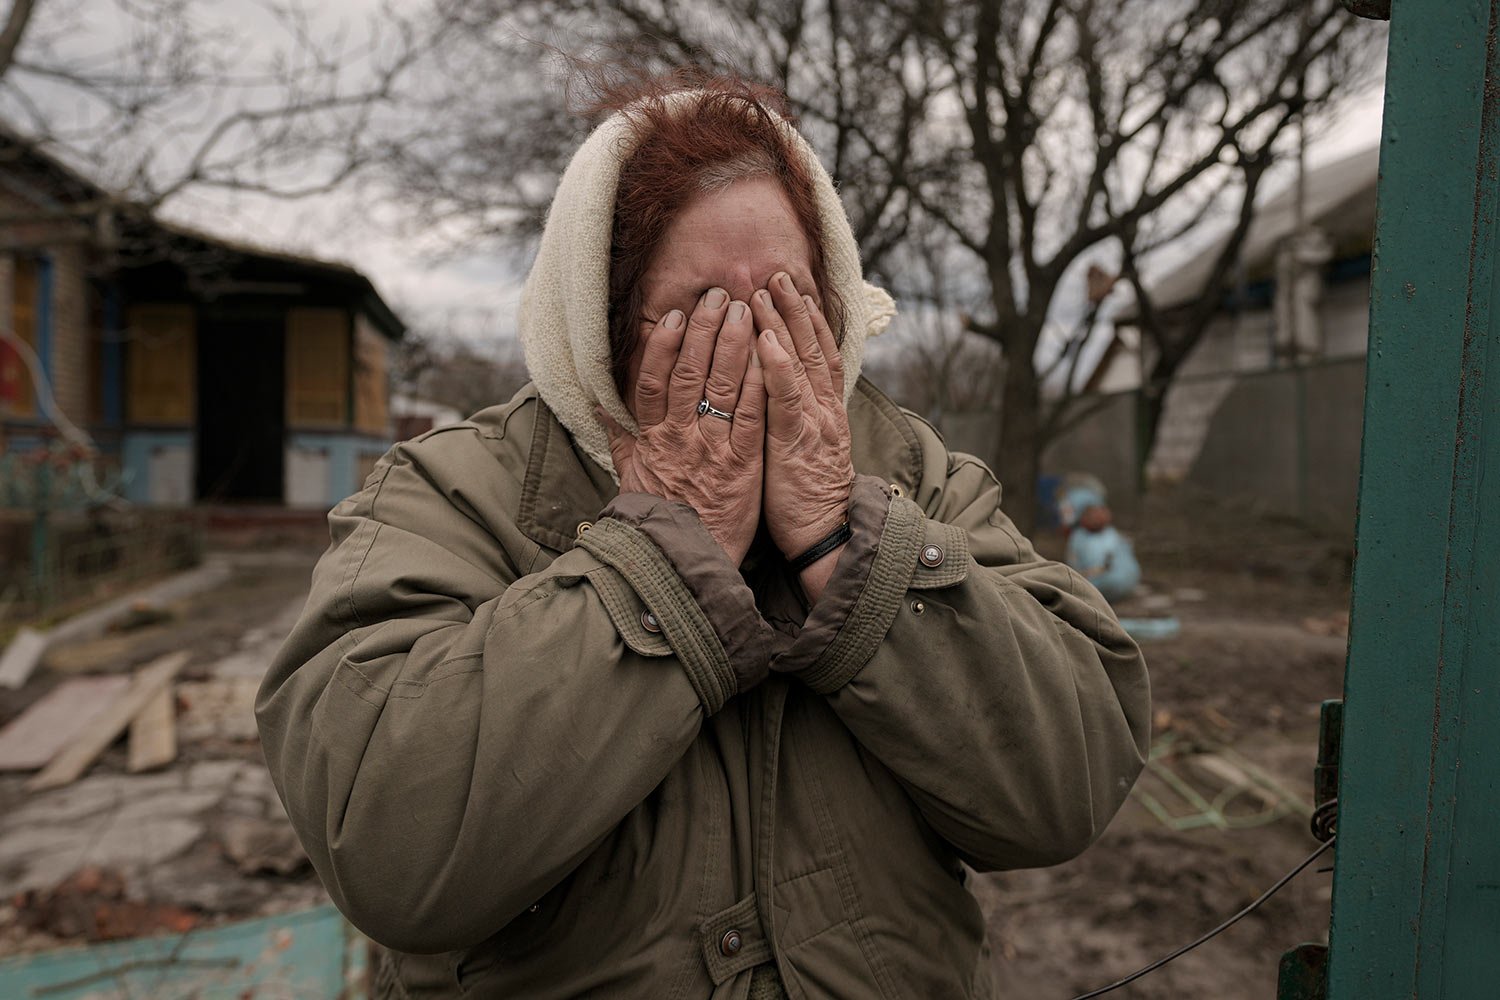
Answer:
(241, 409)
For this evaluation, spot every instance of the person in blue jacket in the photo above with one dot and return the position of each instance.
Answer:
(1097, 549)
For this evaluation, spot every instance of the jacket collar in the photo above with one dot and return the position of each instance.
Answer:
(564, 488)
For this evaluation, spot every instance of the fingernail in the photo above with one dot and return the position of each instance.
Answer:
(715, 298)
(755, 359)
(808, 300)
(785, 281)
(763, 297)
(737, 311)
(672, 320)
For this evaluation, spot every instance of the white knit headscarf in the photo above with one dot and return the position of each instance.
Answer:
(564, 317)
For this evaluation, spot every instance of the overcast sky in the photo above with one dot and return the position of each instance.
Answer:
(472, 293)
(479, 293)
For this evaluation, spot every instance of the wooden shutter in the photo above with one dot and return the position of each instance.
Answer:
(371, 390)
(161, 361)
(317, 367)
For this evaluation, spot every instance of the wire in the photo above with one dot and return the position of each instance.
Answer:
(1280, 883)
(1325, 820)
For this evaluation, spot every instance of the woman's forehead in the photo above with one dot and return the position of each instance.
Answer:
(736, 238)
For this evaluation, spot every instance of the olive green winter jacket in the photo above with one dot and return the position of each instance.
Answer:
(544, 741)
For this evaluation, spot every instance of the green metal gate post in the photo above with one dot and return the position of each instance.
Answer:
(1416, 901)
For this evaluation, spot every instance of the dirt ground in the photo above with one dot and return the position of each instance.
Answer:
(1263, 604)
(1236, 698)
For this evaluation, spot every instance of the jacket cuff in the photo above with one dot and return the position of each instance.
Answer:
(895, 548)
(697, 598)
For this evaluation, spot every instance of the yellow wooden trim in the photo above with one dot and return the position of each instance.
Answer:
(371, 373)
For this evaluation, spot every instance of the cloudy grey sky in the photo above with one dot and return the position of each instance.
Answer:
(471, 293)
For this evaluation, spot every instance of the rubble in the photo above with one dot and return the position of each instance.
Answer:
(92, 904)
(260, 846)
(199, 840)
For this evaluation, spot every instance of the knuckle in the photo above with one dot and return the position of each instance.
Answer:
(703, 321)
(720, 385)
(690, 367)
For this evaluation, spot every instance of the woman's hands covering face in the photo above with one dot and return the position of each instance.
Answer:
(712, 464)
(808, 471)
(785, 454)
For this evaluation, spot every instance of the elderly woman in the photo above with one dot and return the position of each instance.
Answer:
(699, 668)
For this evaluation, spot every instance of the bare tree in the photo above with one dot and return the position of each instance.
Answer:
(153, 99)
(931, 361)
(455, 357)
(1168, 339)
(1034, 133)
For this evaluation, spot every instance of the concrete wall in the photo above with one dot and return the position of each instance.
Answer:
(1290, 440)
(1102, 444)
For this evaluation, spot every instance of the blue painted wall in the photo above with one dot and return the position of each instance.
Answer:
(135, 459)
(342, 453)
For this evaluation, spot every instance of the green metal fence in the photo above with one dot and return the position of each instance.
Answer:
(66, 538)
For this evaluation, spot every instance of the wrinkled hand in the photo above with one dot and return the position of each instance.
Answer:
(808, 468)
(711, 464)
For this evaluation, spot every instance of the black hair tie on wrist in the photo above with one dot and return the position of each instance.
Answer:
(840, 535)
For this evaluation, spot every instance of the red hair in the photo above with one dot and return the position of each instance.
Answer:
(734, 130)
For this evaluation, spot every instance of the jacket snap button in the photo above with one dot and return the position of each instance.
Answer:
(917, 607)
(649, 622)
(897, 491)
(731, 942)
(932, 555)
(582, 527)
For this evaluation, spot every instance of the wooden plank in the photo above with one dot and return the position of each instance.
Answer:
(66, 767)
(37, 734)
(21, 656)
(29, 645)
(153, 733)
